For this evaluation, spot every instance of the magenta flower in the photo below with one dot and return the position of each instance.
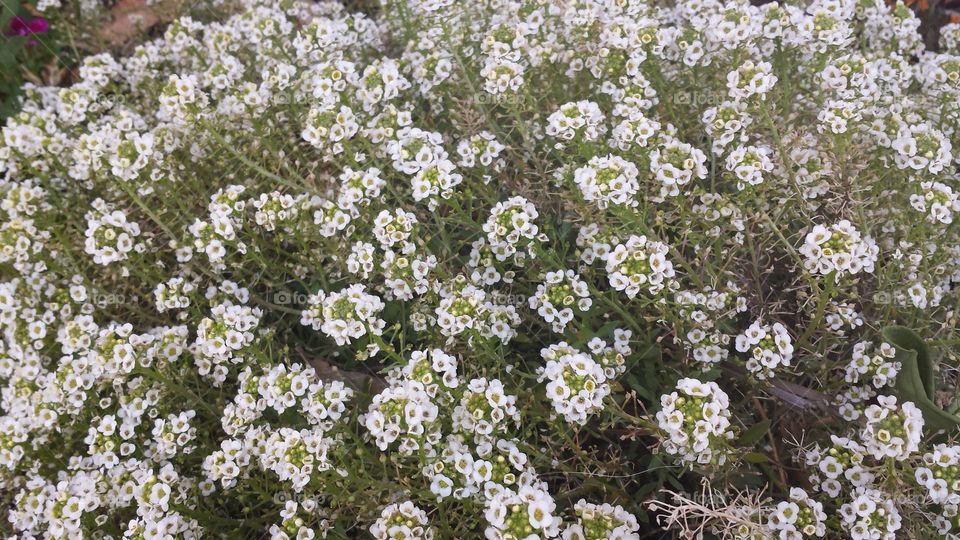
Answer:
(20, 26)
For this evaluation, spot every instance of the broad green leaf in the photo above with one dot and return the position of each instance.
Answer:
(754, 433)
(916, 380)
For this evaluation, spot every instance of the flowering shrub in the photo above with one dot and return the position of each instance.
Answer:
(505, 270)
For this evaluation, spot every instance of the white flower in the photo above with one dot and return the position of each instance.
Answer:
(404, 412)
(110, 237)
(346, 315)
(871, 514)
(402, 521)
(938, 201)
(676, 164)
(605, 520)
(560, 297)
(511, 227)
(838, 250)
(769, 347)
(750, 79)
(639, 264)
(696, 422)
(578, 383)
(608, 180)
(749, 164)
(580, 120)
(892, 431)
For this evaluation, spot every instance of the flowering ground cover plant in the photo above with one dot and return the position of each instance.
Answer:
(505, 270)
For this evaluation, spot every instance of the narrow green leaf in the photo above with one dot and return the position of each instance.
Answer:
(756, 457)
(754, 433)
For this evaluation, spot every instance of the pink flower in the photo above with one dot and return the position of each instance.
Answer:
(20, 26)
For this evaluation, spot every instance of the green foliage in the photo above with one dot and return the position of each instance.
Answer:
(916, 381)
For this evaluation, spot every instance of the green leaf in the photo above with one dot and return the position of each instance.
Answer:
(756, 457)
(754, 433)
(916, 381)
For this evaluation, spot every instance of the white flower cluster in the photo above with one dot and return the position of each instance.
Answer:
(485, 408)
(172, 435)
(526, 513)
(595, 521)
(173, 294)
(222, 338)
(751, 79)
(871, 514)
(749, 164)
(580, 121)
(560, 297)
(395, 229)
(872, 366)
(940, 476)
(502, 71)
(511, 227)
(359, 187)
(595, 243)
(612, 358)
(212, 237)
(892, 431)
(636, 131)
(404, 412)
(346, 315)
(465, 308)
(769, 347)
(293, 455)
(799, 517)
(839, 250)
(481, 150)
(638, 264)
(726, 124)
(481, 471)
(110, 237)
(696, 421)
(281, 388)
(843, 461)
(578, 383)
(402, 521)
(413, 150)
(431, 368)
(843, 316)
(675, 164)
(938, 201)
(435, 181)
(328, 126)
(275, 209)
(922, 148)
(703, 313)
(608, 180)
(296, 516)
